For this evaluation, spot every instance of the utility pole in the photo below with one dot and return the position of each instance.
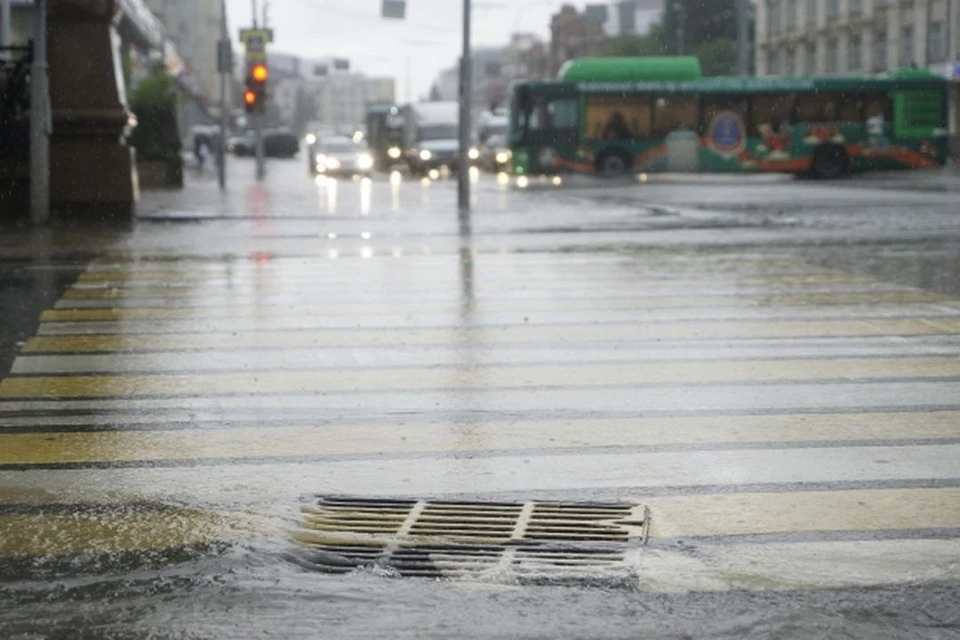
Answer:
(6, 37)
(258, 120)
(680, 13)
(743, 37)
(224, 60)
(40, 126)
(466, 99)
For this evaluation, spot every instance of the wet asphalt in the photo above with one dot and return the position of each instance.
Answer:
(768, 368)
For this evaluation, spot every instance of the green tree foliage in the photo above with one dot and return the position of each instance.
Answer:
(717, 57)
(709, 32)
(154, 102)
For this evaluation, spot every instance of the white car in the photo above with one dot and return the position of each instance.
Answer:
(341, 156)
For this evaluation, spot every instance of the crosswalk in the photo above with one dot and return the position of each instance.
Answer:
(751, 401)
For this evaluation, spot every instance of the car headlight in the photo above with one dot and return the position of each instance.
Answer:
(333, 163)
(364, 161)
(425, 155)
(503, 157)
(474, 153)
(311, 139)
(394, 152)
(321, 159)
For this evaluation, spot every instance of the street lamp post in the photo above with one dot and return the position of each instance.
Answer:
(40, 125)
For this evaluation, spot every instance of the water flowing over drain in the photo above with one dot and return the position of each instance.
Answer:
(455, 539)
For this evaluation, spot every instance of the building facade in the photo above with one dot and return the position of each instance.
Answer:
(575, 34)
(337, 95)
(193, 26)
(824, 37)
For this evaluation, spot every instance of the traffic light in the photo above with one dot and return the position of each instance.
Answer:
(255, 94)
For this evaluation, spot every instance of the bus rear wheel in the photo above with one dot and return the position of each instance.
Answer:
(829, 162)
(613, 164)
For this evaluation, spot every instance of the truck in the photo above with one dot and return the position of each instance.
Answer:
(431, 136)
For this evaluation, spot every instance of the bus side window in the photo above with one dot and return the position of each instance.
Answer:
(618, 117)
(828, 107)
(877, 106)
(770, 114)
(674, 112)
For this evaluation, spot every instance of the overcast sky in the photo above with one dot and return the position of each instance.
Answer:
(429, 37)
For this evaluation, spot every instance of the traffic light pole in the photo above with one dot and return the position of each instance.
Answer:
(258, 145)
(466, 98)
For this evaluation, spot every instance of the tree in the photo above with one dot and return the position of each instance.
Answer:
(435, 94)
(687, 23)
(155, 104)
(632, 45)
(717, 57)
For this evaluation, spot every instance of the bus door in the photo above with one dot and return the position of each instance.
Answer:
(548, 129)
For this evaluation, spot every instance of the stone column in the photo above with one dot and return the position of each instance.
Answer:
(92, 173)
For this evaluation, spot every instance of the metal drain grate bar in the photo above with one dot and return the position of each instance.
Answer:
(423, 538)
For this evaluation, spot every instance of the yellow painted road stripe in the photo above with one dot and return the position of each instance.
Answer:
(307, 441)
(94, 290)
(105, 533)
(680, 302)
(522, 377)
(815, 511)
(740, 330)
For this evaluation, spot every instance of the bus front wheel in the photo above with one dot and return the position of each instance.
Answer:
(613, 164)
(829, 162)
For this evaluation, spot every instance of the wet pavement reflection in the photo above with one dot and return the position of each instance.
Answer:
(769, 369)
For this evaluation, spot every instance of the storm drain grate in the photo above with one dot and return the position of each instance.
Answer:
(433, 538)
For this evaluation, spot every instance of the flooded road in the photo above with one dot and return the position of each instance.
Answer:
(683, 408)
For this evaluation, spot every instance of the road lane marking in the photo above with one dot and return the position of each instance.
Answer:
(679, 399)
(618, 332)
(744, 514)
(387, 440)
(797, 566)
(455, 378)
(669, 302)
(592, 473)
(307, 358)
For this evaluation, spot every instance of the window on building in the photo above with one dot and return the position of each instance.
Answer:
(856, 6)
(812, 11)
(770, 113)
(938, 41)
(906, 46)
(855, 57)
(773, 16)
(789, 62)
(833, 8)
(773, 62)
(879, 4)
(791, 14)
(674, 112)
(833, 53)
(880, 51)
(811, 58)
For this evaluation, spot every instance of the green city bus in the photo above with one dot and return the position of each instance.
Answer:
(613, 116)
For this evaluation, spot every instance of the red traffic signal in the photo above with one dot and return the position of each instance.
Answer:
(255, 94)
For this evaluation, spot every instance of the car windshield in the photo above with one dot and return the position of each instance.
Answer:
(438, 132)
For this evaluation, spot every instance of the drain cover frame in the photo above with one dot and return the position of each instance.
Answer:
(413, 537)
